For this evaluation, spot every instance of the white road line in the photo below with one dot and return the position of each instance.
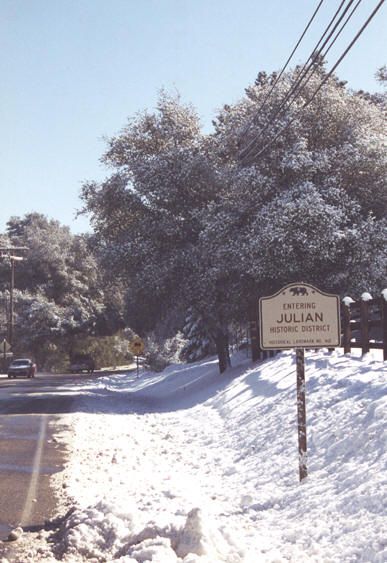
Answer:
(32, 489)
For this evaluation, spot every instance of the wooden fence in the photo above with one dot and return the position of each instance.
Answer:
(363, 325)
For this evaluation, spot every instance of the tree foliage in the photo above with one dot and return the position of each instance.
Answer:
(57, 290)
(208, 222)
(145, 214)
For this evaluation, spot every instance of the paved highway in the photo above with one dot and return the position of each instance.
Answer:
(30, 412)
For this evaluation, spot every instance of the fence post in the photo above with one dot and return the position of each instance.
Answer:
(364, 324)
(346, 308)
(383, 305)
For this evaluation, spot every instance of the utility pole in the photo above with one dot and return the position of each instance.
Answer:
(8, 252)
(12, 285)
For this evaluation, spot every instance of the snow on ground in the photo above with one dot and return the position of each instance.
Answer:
(191, 466)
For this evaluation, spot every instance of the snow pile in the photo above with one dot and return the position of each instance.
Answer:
(190, 466)
(104, 532)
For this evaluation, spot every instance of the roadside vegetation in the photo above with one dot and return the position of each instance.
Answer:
(190, 228)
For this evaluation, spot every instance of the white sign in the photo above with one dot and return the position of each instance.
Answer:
(5, 346)
(299, 316)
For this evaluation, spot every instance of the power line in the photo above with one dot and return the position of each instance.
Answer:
(310, 69)
(317, 53)
(325, 79)
(244, 152)
(341, 29)
(285, 65)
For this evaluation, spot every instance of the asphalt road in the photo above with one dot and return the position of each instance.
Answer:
(30, 412)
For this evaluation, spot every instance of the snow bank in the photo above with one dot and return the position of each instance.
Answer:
(190, 466)
(103, 532)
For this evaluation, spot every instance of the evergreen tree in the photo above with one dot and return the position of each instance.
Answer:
(199, 343)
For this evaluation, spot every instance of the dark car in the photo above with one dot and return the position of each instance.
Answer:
(82, 363)
(21, 368)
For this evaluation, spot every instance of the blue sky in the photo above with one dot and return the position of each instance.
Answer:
(73, 71)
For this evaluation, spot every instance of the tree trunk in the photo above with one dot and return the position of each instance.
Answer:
(254, 331)
(222, 349)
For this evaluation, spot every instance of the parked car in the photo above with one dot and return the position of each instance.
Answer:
(82, 363)
(21, 368)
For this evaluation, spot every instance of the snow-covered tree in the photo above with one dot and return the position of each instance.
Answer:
(299, 208)
(146, 215)
(57, 262)
(271, 196)
(57, 287)
(198, 341)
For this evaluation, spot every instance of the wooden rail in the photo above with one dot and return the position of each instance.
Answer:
(364, 324)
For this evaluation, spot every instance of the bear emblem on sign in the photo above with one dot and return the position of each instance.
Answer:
(297, 291)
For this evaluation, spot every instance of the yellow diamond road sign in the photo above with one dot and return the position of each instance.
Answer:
(136, 346)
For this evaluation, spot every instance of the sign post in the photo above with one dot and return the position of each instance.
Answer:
(136, 346)
(5, 347)
(301, 414)
(300, 316)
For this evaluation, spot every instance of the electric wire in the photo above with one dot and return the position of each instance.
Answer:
(303, 71)
(341, 29)
(319, 54)
(285, 66)
(303, 78)
(325, 79)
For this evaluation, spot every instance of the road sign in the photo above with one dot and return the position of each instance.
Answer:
(5, 347)
(136, 346)
(299, 316)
